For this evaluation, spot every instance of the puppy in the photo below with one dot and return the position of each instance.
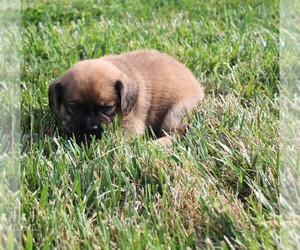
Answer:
(146, 89)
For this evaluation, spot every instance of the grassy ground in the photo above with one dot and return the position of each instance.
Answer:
(218, 188)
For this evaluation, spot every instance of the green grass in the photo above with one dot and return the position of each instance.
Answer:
(216, 189)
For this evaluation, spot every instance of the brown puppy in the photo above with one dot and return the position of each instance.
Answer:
(145, 88)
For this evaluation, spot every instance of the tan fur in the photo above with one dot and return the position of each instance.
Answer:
(156, 90)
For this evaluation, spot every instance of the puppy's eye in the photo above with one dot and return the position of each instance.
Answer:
(75, 107)
(106, 109)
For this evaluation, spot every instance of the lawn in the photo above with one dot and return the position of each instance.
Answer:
(215, 189)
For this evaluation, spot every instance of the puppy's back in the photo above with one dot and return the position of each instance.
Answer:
(160, 73)
(167, 89)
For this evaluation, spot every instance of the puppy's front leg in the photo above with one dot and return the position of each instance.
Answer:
(132, 125)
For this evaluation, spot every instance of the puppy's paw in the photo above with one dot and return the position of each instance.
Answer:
(163, 141)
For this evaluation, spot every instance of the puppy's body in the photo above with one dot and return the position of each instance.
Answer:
(147, 89)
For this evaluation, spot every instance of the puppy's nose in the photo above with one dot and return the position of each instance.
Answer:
(92, 127)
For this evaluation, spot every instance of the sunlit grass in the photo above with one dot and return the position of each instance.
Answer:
(217, 188)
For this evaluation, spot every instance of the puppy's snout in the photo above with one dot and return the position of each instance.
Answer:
(92, 125)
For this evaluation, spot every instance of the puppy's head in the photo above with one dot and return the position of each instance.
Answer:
(88, 96)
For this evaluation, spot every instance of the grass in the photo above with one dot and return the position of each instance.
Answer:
(216, 189)
(289, 127)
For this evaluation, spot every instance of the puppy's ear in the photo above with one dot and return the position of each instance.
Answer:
(127, 91)
(55, 96)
